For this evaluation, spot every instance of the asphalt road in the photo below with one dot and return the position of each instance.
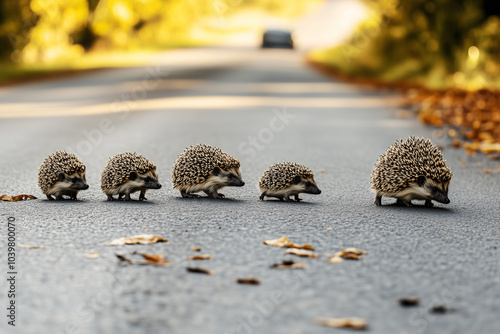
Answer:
(261, 107)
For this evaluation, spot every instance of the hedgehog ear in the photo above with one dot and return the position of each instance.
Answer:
(216, 171)
(61, 177)
(421, 179)
(297, 179)
(133, 176)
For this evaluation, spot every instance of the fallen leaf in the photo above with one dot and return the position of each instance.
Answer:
(289, 264)
(195, 249)
(335, 259)
(144, 239)
(93, 255)
(252, 281)
(494, 157)
(149, 259)
(352, 323)
(286, 243)
(199, 271)
(441, 309)
(491, 171)
(350, 254)
(321, 170)
(329, 228)
(29, 246)
(281, 242)
(301, 252)
(201, 257)
(17, 198)
(408, 301)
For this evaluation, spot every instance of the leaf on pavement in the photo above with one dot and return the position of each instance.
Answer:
(17, 198)
(301, 252)
(335, 259)
(93, 255)
(199, 271)
(196, 249)
(30, 246)
(352, 323)
(286, 243)
(251, 281)
(348, 254)
(200, 257)
(144, 239)
(289, 264)
(152, 259)
(406, 302)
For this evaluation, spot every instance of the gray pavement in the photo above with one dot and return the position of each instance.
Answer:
(261, 107)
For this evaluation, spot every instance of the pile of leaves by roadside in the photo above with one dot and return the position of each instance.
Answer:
(474, 114)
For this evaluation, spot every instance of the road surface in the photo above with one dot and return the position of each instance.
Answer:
(261, 106)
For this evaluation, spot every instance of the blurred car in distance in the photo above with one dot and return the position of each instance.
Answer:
(277, 38)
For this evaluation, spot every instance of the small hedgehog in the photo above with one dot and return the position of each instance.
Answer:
(128, 173)
(287, 179)
(412, 169)
(62, 174)
(205, 168)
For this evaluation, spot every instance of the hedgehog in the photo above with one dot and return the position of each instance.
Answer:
(413, 169)
(128, 173)
(62, 174)
(205, 168)
(286, 179)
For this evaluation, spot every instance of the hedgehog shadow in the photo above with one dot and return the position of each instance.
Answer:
(209, 199)
(419, 207)
(274, 201)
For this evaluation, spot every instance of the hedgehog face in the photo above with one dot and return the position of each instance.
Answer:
(433, 190)
(224, 178)
(305, 185)
(147, 180)
(73, 182)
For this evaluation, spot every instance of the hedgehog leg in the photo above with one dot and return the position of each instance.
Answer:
(120, 197)
(73, 195)
(184, 194)
(297, 199)
(212, 193)
(127, 197)
(142, 196)
(262, 196)
(50, 198)
(110, 198)
(405, 202)
(429, 203)
(281, 199)
(378, 199)
(59, 197)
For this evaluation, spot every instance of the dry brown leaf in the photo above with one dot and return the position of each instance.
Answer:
(301, 252)
(30, 246)
(491, 171)
(289, 264)
(352, 323)
(16, 198)
(200, 257)
(441, 309)
(144, 239)
(149, 259)
(335, 259)
(199, 271)
(406, 302)
(252, 281)
(286, 243)
(350, 254)
(321, 170)
(281, 242)
(196, 249)
(93, 255)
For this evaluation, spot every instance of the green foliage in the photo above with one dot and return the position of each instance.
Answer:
(425, 41)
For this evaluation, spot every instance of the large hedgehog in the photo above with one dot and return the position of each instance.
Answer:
(287, 179)
(62, 174)
(127, 173)
(412, 169)
(205, 168)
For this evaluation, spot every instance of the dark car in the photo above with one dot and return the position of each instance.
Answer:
(276, 38)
